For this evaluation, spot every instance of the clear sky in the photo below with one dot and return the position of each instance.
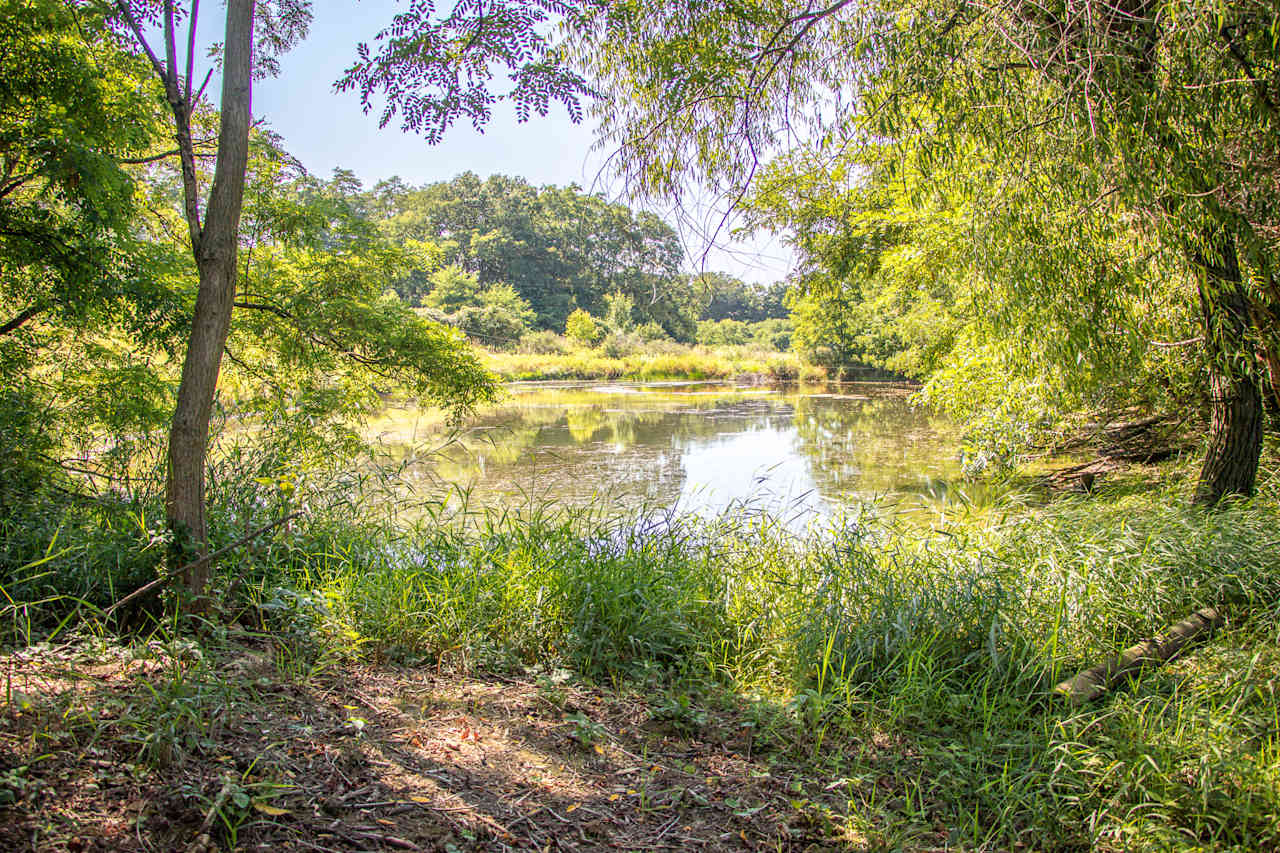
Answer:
(325, 130)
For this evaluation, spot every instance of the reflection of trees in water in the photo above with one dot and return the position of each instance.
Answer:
(876, 445)
(629, 447)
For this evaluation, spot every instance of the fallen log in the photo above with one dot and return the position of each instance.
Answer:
(1095, 681)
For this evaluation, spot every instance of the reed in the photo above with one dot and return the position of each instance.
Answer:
(893, 657)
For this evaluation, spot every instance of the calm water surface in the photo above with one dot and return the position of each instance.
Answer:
(696, 447)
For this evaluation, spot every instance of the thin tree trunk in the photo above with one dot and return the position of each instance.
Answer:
(215, 247)
(1235, 429)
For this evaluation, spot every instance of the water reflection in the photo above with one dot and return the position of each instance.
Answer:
(695, 446)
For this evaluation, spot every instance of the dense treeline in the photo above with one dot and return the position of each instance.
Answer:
(559, 248)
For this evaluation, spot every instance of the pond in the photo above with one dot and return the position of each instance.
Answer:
(695, 447)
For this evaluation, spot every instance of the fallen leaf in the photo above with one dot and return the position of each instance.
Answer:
(274, 811)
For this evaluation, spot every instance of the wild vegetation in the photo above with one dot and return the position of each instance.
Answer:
(229, 622)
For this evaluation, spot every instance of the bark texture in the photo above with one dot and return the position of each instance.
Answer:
(214, 245)
(1236, 421)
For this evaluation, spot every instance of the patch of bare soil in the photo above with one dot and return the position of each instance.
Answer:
(109, 749)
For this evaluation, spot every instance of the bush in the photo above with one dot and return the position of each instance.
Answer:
(491, 325)
(543, 342)
(582, 327)
(618, 345)
(723, 333)
(651, 331)
(772, 334)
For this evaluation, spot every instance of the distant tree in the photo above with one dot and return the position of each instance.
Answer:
(723, 332)
(619, 309)
(452, 288)
(827, 331)
(651, 331)
(557, 246)
(500, 318)
(582, 327)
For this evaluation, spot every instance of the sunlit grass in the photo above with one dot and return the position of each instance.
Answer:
(693, 363)
(909, 663)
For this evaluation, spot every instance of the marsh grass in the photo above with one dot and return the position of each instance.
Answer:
(673, 362)
(910, 665)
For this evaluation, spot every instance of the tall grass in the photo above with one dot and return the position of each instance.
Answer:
(675, 362)
(912, 661)
(945, 643)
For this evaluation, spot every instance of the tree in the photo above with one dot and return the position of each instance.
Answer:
(557, 246)
(452, 288)
(430, 70)
(1166, 111)
(582, 327)
(619, 312)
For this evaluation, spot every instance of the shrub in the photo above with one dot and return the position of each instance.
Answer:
(582, 327)
(491, 325)
(651, 331)
(545, 342)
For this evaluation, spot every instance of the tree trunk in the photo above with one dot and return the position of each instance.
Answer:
(215, 248)
(1235, 429)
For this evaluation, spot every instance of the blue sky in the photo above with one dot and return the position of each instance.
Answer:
(325, 129)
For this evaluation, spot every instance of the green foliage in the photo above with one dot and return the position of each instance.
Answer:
(317, 320)
(619, 312)
(452, 288)
(729, 298)
(582, 327)
(767, 334)
(723, 333)
(432, 68)
(774, 334)
(72, 104)
(651, 331)
(827, 329)
(559, 247)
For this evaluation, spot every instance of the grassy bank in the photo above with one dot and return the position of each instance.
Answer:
(553, 357)
(895, 682)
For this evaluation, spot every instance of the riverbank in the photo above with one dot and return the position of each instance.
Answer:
(692, 363)
(673, 362)
(725, 684)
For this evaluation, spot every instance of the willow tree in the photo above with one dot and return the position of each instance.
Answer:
(428, 68)
(1166, 108)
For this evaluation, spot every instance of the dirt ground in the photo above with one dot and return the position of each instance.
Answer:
(104, 748)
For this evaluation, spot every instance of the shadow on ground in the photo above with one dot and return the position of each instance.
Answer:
(163, 749)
